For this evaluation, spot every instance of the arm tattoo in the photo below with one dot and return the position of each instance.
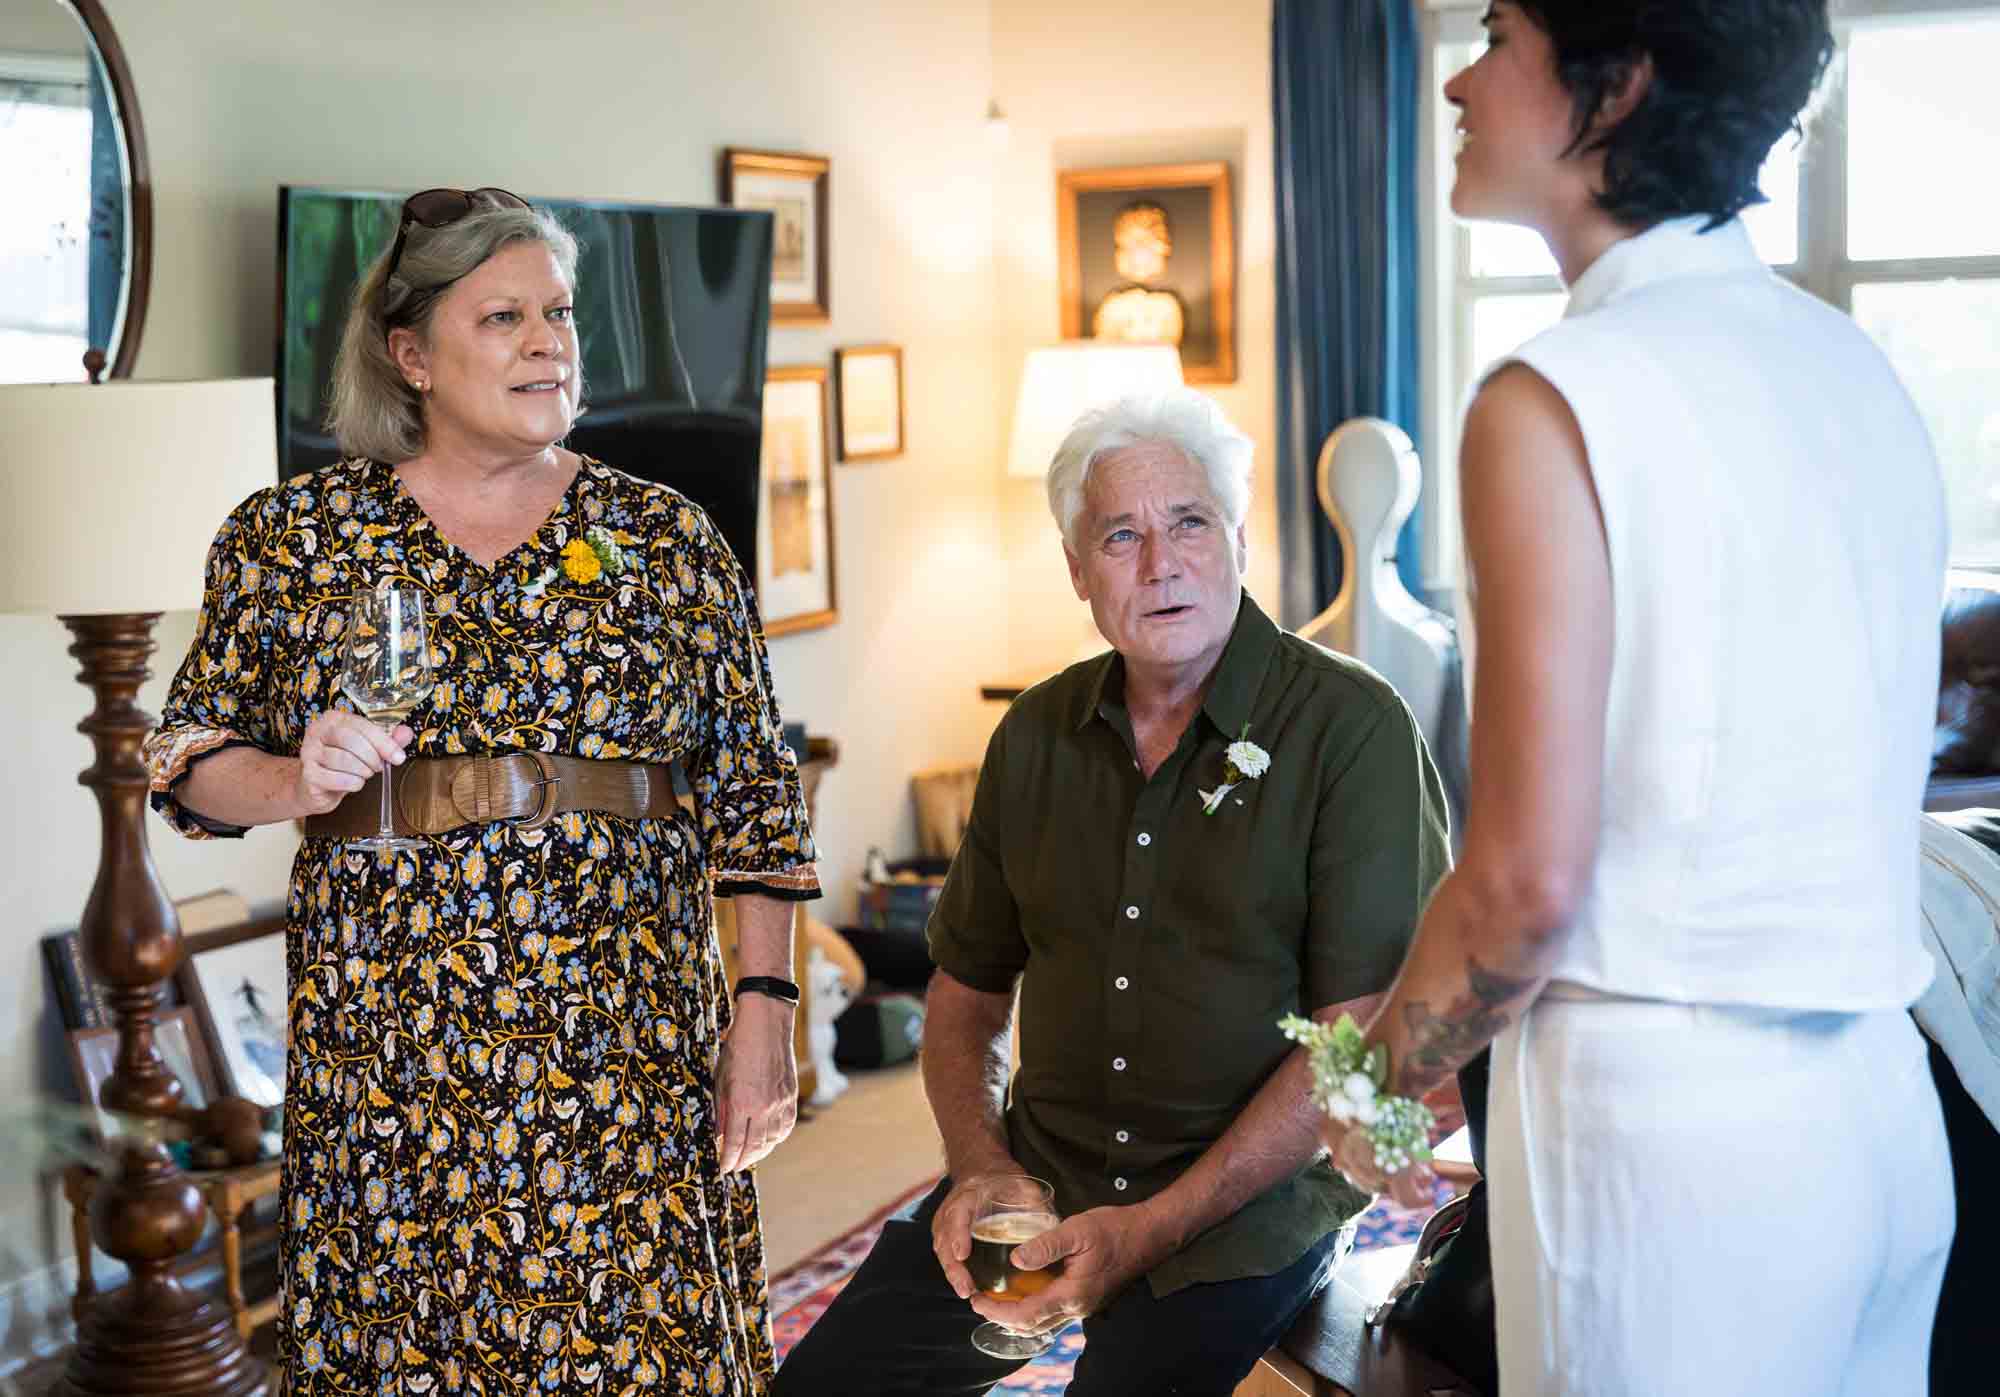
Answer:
(1439, 1043)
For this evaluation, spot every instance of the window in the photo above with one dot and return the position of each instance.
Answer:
(1884, 210)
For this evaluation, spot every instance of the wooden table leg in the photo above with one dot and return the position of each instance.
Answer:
(78, 1185)
(226, 1208)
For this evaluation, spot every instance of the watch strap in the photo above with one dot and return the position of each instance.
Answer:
(771, 985)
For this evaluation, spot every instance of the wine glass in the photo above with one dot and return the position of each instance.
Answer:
(386, 670)
(1010, 1209)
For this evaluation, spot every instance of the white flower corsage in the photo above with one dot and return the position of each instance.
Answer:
(1243, 760)
(1348, 1081)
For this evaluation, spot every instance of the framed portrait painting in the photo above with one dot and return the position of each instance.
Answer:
(1148, 255)
(795, 508)
(793, 190)
(868, 388)
(234, 979)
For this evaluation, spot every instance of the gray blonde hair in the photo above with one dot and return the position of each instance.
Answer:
(373, 410)
(1179, 417)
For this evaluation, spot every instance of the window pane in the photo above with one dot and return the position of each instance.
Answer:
(1921, 128)
(1501, 249)
(1502, 324)
(1774, 226)
(1944, 339)
(44, 219)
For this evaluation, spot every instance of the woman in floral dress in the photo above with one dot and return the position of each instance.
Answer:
(519, 1119)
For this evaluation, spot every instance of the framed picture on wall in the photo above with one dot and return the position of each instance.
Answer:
(1147, 254)
(868, 386)
(234, 979)
(795, 514)
(94, 1051)
(793, 190)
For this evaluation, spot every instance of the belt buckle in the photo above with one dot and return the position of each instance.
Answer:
(547, 785)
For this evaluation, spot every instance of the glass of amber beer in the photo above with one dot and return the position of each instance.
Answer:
(1009, 1209)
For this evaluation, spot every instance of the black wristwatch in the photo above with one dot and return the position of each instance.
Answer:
(782, 990)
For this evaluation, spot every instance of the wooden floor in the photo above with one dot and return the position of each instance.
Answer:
(874, 1144)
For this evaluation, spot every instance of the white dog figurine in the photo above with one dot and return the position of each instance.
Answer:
(830, 996)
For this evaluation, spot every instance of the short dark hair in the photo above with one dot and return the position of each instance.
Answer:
(1729, 78)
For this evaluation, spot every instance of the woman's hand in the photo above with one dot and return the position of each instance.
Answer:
(1354, 1156)
(757, 1082)
(339, 753)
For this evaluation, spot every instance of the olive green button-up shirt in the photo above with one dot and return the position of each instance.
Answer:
(1157, 946)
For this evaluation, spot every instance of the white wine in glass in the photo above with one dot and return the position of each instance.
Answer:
(386, 672)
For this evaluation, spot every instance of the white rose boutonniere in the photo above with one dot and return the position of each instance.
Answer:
(1243, 760)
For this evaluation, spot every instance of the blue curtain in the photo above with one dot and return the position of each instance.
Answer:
(1345, 111)
(107, 214)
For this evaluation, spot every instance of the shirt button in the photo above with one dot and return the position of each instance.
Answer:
(1124, 1136)
(1144, 839)
(1132, 914)
(1120, 1184)
(1122, 983)
(1117, 1064)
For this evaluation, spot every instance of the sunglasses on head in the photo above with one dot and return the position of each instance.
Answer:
(440, 208)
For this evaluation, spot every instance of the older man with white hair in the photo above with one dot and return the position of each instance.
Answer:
(1171, 846)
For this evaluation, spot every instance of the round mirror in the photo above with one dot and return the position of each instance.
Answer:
(76, 219)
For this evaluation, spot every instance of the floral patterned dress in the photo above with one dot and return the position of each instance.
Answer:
(501, 1173)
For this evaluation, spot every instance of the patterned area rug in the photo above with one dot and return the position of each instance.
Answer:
(800, 1294)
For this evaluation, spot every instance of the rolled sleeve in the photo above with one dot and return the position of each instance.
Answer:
(975, 929)
(218, 697)
(746, 781)
(1381, 843)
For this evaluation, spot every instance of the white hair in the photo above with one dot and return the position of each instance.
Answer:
(1180, 418)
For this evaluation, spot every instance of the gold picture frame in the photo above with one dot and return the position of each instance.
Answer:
(1183, 240)
(794, 190)
(795, 576)
(868, 390)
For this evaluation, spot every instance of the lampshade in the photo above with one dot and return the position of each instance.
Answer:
(110, 494)
(1060, 381)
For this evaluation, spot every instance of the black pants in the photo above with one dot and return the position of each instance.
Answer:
(1962, 1344)
(898, 1328)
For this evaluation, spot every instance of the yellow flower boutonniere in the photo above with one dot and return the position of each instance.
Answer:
(580, 562)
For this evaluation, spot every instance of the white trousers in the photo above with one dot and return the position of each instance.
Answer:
(1690, 1198)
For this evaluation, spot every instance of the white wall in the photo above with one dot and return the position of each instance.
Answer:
(1088, 83)
(606, 100)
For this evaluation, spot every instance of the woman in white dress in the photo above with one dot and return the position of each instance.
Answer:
(1705, 536)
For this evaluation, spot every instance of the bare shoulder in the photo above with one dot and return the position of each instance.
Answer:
(1516, 407)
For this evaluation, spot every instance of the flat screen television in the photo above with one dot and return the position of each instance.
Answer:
(673, 309)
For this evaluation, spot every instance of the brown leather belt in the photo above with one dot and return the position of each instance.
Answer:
(434, 795)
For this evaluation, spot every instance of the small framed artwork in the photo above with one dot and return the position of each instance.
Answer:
(795, 512)
(1148, 255)
(234, 979)
(793, 190)
(93, 1052)
(868, 386)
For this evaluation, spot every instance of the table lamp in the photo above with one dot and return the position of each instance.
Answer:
(109, 498)
(1059, 381)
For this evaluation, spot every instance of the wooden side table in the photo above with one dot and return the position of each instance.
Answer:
(230, 1193)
